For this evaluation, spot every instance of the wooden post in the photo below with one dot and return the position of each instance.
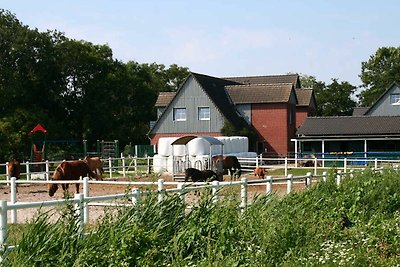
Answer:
(338, 177)
(136, 194)
(110, 167)
(13, 189)
(3, 222)
(214, 191)
(79, 199)
(324, 175)
(28, 174)
(160, 187)
(309, 179)
(286, 167)
(243, 194)
(85, 194)
(123, 166)
(47, 170)
(181, 193)
(289, 183)
(269, 185)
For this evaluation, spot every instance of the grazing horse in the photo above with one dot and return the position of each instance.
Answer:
(260, 172)
(196, 175)
(95, 164)
(14, 169)
(230, 163)
(70, 171)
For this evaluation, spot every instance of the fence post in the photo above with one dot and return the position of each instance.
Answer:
(13, 198)
(47, 170)
(7, 174)
(28, 174)
(269, 185)
(85, 194)
(136, 196)
(160, 187)
(148, 165)
(309, 179)
(351, 173)
(110, 167)
(215, 185)
(286, 167)
(3, 222)
(376, 163)
(289, 183)
(123, 166)
(324, 174)
(338, 177)
(79, 199)
(345, 165)
(243, 194)
(315, 165)
(135, 163)
(181, 193)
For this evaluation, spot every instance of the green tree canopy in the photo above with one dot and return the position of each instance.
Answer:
(382, 69)
(334, 99)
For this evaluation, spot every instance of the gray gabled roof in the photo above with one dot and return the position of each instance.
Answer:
(268, 79)
(215, 89)
(260, 93)
(350, 126)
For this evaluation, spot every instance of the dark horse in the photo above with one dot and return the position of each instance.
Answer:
(230, 163)
(196, 175)
(14, 169)
(70, 171)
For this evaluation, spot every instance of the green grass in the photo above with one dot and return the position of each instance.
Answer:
(354, 224)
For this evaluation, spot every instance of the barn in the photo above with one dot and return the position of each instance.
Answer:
(269, 106)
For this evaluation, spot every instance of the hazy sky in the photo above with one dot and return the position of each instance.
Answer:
(324, 38)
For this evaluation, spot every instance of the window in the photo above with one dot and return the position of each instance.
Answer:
(179, 114)
(204, 113)
(395, 99)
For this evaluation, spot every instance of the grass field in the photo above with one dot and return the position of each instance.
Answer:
(354, 224)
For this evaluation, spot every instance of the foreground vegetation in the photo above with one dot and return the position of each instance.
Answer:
(355, 224)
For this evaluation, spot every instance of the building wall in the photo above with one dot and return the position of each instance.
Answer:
(383, 107)
(301, 114)
(191, 96)
(245, 110)
(272, 124)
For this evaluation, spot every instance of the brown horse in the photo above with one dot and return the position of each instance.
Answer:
(14, 168)
(95, 164)
(196, 175)
(70, 171)
(260, 172)
(230, 163)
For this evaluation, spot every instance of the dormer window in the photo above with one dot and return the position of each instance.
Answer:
(395, 99)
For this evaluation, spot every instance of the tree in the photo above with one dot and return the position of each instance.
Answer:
(334, 99)
(382, 69)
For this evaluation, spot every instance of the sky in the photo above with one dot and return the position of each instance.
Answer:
(322, 38)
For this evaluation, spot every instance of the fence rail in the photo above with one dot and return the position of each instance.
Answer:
(127, 166)
(84, 200)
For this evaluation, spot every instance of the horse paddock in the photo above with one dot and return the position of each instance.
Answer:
(39, 192)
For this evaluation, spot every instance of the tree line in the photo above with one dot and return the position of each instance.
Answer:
(78, 90)
(74, 88)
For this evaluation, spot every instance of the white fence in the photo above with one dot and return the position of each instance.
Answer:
(84, 200)
(126, 166)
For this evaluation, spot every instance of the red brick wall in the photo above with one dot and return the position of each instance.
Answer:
(301, 115)
(154, 139)
(272, 124)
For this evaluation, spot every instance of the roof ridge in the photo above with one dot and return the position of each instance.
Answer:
(255, 84)
(258, 76)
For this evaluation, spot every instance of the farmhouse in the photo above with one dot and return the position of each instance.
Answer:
(271, 107)
(370, 132)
